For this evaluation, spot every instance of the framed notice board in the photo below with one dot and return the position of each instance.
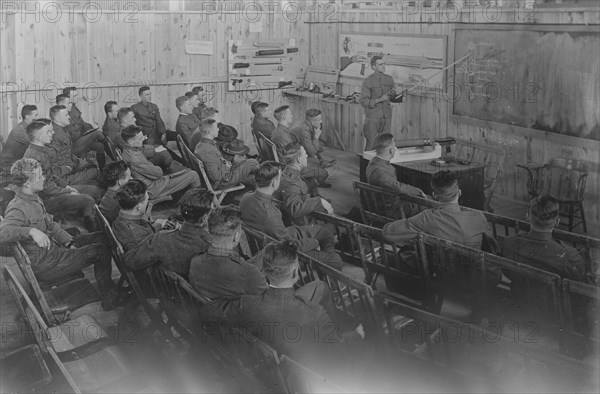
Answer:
(529, 77)
(408, 58)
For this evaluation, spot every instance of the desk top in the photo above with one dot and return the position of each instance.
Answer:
(427, 167)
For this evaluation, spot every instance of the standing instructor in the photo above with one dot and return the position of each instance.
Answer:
(375, 95)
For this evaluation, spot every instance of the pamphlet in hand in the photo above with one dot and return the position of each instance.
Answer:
(159, 149)
(90, 130)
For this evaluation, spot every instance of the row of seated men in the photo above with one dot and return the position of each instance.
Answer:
(204, 249)
(53, 251)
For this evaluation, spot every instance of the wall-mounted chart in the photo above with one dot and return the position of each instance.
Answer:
(409, 59)
(265, 64)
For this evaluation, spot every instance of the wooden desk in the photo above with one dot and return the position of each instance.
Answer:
(419, 173)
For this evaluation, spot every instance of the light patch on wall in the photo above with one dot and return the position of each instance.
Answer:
(197, 47)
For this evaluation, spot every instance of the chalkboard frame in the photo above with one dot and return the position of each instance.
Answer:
(504, 127)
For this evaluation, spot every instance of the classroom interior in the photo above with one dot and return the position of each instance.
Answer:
(508, 89)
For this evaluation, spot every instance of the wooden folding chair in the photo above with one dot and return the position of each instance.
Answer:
(268, 148)
(112, 150)
(197, 165)
(155, 314)
(581, 304)
(58, 300)
(82, 350)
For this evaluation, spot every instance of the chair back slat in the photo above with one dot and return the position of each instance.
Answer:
(508, 226)
(24, 264)
(581, 306)
(268, 148)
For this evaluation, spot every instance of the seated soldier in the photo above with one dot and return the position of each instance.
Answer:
(17, 142)
(381, 173)
(308, 135)
(222, 271)
(282, 136)
(197, 102)
(174, 249)
(268, 315)
(227, 133)
(111, 127)
(132, 225)
(156, 154)
(448, 221)
(261, 122)
(159, 185)
(53, 252)
(148, 116)
(293, 190)
(539, 249)
(220, 172)
(116, 174)
(260, 212)
(84, 136)
(187, 122)
(81, 172)
(59, 175)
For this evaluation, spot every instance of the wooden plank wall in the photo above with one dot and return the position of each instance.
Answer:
(428, 117)
(114, 55)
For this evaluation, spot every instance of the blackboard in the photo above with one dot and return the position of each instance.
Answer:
(535, 77)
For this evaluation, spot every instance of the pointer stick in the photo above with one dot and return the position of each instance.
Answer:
(436, 73)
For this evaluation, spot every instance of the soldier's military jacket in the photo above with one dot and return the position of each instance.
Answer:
(293, 191)
(147, 116)
(282, 136)
(131, 230)
(172, 249)
(541, 250)
(224, 273)
(381, 173)
(263, 125)
(373, 87)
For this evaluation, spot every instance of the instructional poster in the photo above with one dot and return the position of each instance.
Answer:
(408, 59)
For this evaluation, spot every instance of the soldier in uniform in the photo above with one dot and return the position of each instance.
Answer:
(53, 252)
(282, 135)
(187, 122)
(221, 271)
(148, 117)
(293, 190)
(197, 102)
(174, 249)
(132, 225)
(159, 184)
(84, 140)
(269, 314)
(221, 172)
(17, 142)
(111, 127)
(260, 212)
(308, 134)
(381, 173)
(61, 177)
(448, 221)
(115, 175)
(261, 122)
(539, 249)
(375, 96)
(156, 154)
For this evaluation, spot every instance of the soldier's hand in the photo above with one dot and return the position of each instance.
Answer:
(237, 159)
(161, 222)
(72, 190)
(318, 132)
(385, 97)
(360, 330)
(327, 206)
(40, 238)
